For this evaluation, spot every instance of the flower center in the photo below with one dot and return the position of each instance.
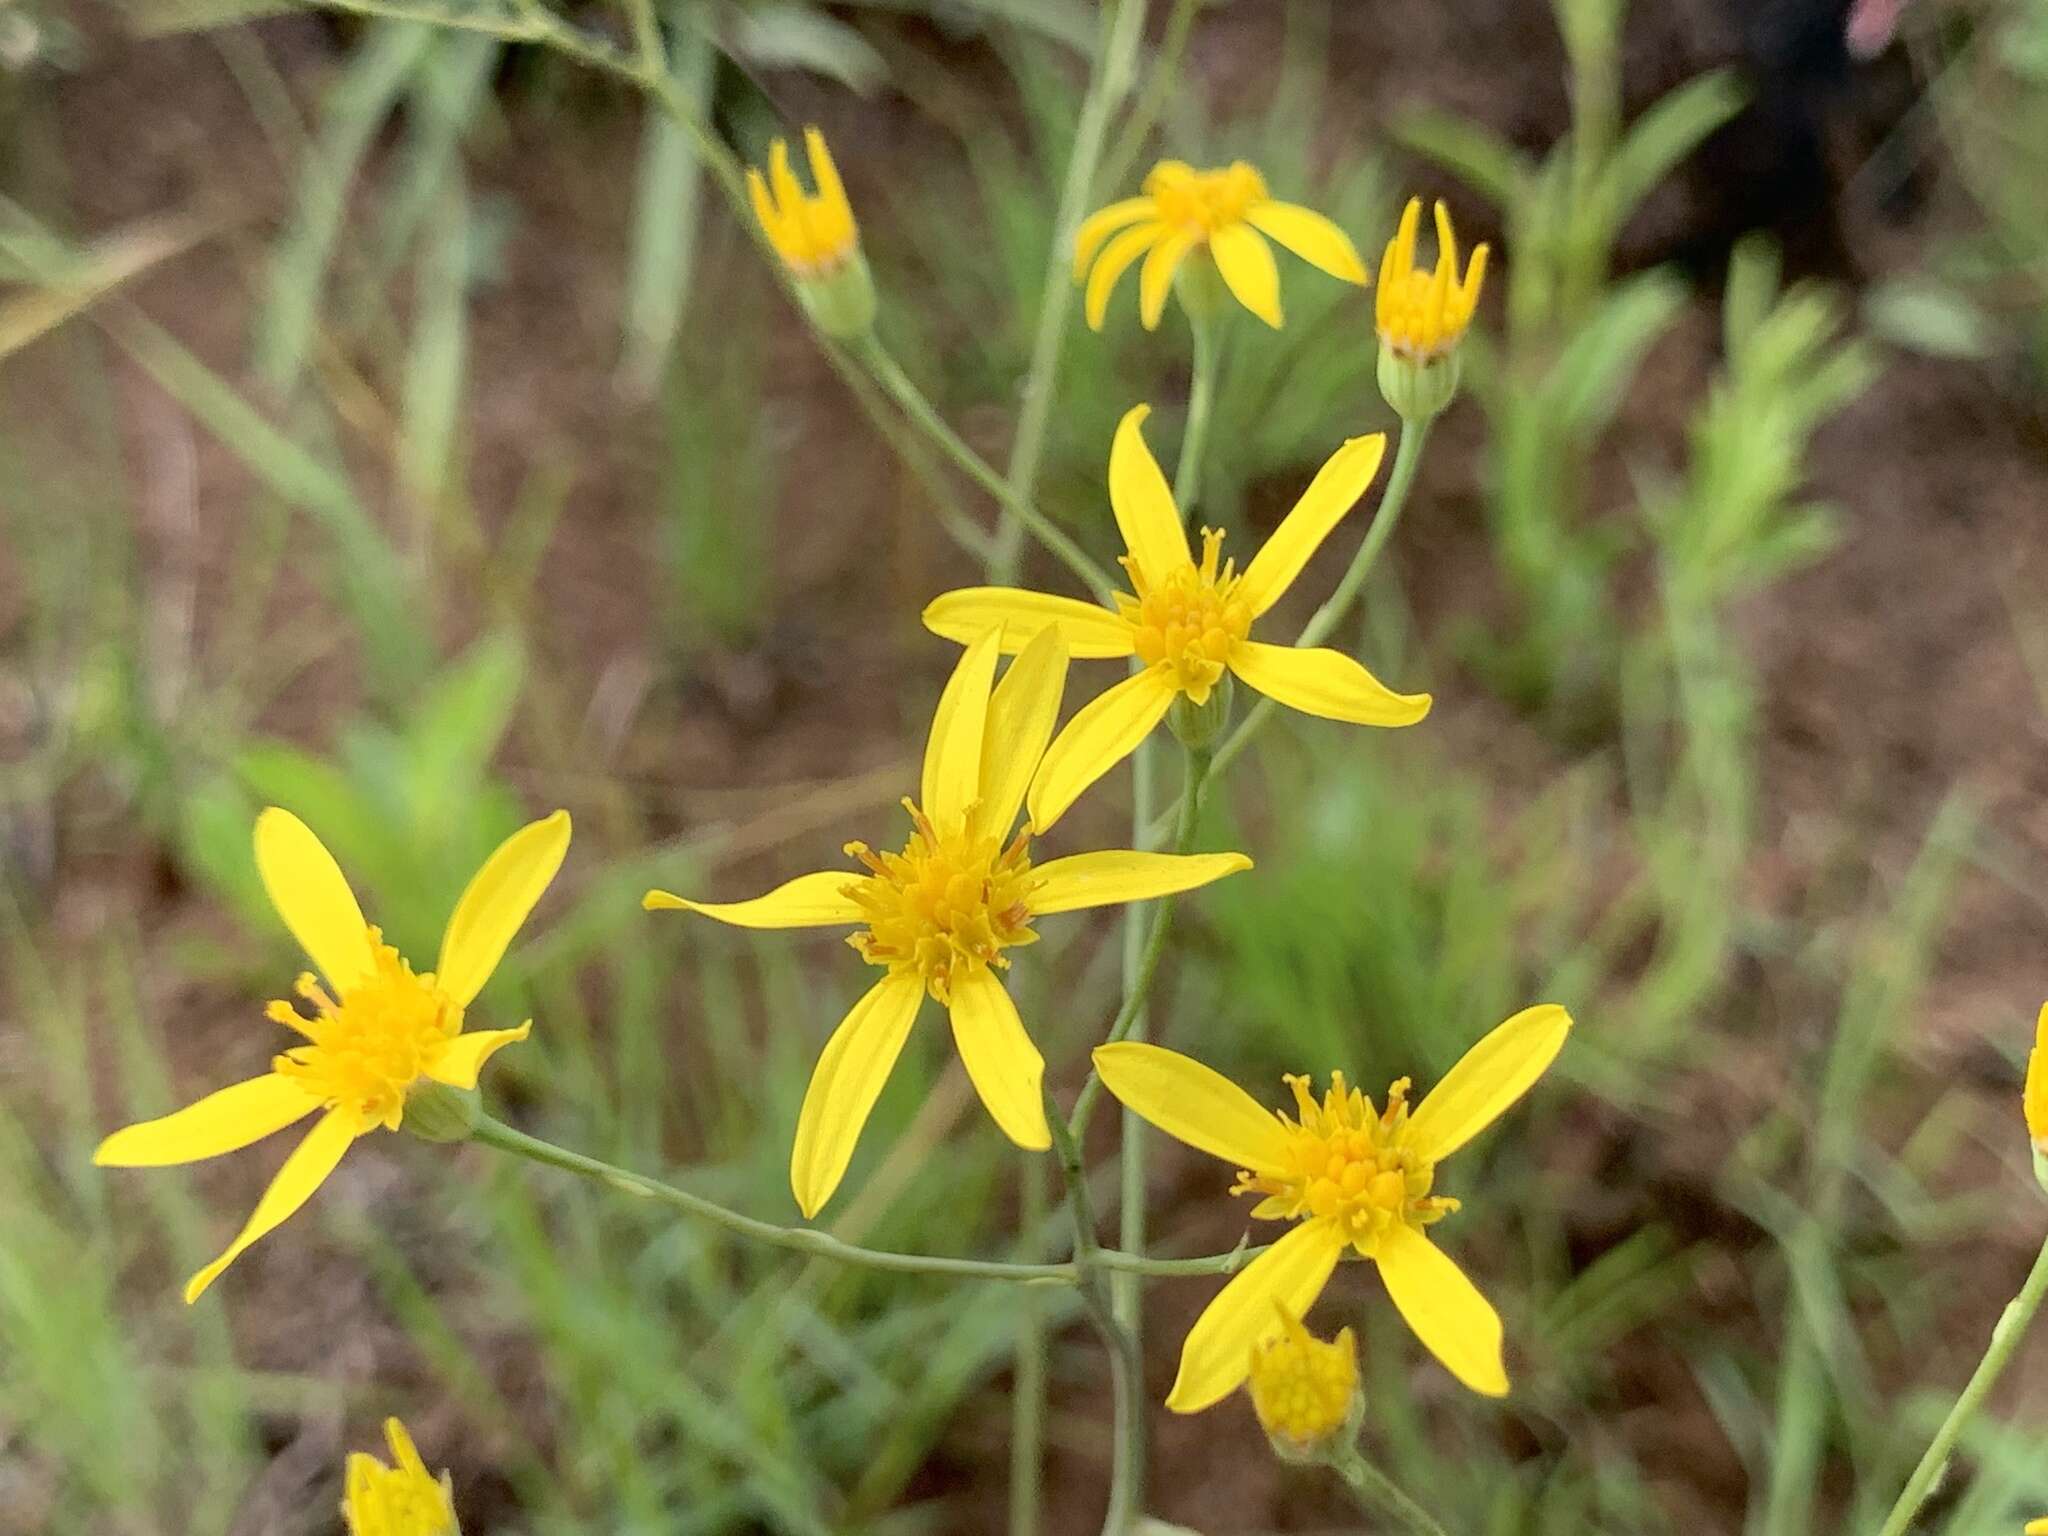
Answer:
(1191, 621)
(947, 905)
(1202, 202)
(369, 1048)
(393, 1501)
(1348, 1164)
(1302, 1386)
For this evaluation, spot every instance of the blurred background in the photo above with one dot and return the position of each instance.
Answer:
(394, 426)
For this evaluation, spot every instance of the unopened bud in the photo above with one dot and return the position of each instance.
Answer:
(1305, 1390)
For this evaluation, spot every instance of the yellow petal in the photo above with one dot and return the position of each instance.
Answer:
(1001, 1061)
(952, 751)
(1455, 1322)
(1143, 503)
(765, 210)
(303, 1172)
(1100, 225)
(225, 1121)
(1246, 262)
(825, 177)
(312, 896)
(1155, 278)
(1111, 876)
(789, 194)
(1111, 264)
(1092, 632)
(1217, 1356)
(1021, 714)
(497, 901)
(460, 1059)
(1315, 239)
(845, 1084)
(1325, 683)
(1487, 1079)
(1194, 1104)
(1102, 734)
(809, 901)
(1334, 492)
(2037, 1082)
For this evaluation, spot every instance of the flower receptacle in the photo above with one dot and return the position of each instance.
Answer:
(436, 1112)
(1418, 390)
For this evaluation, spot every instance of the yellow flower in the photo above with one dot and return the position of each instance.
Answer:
(2037, 1084)
(403, 1499)
(814, 235)
(1423, 315)
(2037, 1528)
(938, 916)
(380, 1033)
(1304, 1389)
(1189, 624)
(1353, 1178)
(1226, 212)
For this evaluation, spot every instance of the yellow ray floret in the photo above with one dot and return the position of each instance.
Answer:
(1423, 315)
(1226, 213)
(403, 1499)
(1354, 1177)
(938, 917)
(813, 233)
(378, 1029)
(2037, 1084)
(1188, 623)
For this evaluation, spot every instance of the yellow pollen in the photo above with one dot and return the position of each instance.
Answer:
(947, 905)
(373, 1045)
(1199, 203)
(1192, 621)
(1349, 1164)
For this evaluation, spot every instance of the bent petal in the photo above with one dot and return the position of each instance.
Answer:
(1155, 278)
(497, 900)
(2036, 1096)
(1217, 1356)
(1193, 1104)
(303, 1172)
(460, 1060)
(1486, 1081)
(952, 752)
(1021, 714)
(312, 896)
(1001, 1061)
(1246, 262)
(1105, 878)
(1092, 632)
(1315, 239)
(1334, 492)
(1454, 1322)
(1143, 503)
(845, 1084)
(1324, 683)
(225, 1121)
(1103, 223)
(1102, 734)
(817, 900)
(1115, 259)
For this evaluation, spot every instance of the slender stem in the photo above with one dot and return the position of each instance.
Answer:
(1377, 1493)
(2005, 1340)
(1187, 475)
(505, 1138)
(1123, 28)
(1407, 458)
(889, 373)
(1027, 1398)
(1159, 89)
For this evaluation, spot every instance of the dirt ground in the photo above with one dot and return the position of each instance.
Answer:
(1892, 671)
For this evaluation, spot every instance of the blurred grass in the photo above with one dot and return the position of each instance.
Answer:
(611, 1370)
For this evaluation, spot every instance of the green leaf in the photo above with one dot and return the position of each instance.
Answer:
(161, 18)
(1923, 314)
(1468, 149)
(1587, 380)
(1664, 135)
(797, 37)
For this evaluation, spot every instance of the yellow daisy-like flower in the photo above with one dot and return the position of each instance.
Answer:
(1355, 1179)
(1422, 315)
(403, 1499)
(938, 916)
(2037, 1528)
(813, 234)
(1224, 212)
(1189, 623)
(1304, 1389)
(2037, 1084)
(381, 1032)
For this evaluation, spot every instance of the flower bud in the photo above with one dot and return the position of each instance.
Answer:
(1305, 1390)
(436, 1112)
(403, 1499)
(1422, 316)
(816, 238)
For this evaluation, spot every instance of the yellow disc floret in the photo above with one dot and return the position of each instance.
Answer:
(1304, 1389)
(400, 1500)
(948, 904)
(1199, 203)
(1191, 620)
(1349, 1165)
(1423, 315)
(368, 1050)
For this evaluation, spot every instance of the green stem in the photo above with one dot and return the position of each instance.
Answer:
(1027, 1399)
(1407, 458)
(1378, 1494)
(505, 1138)
(2005, 1340)
(1159, 89)
(1123, 28)
(1187, 475)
